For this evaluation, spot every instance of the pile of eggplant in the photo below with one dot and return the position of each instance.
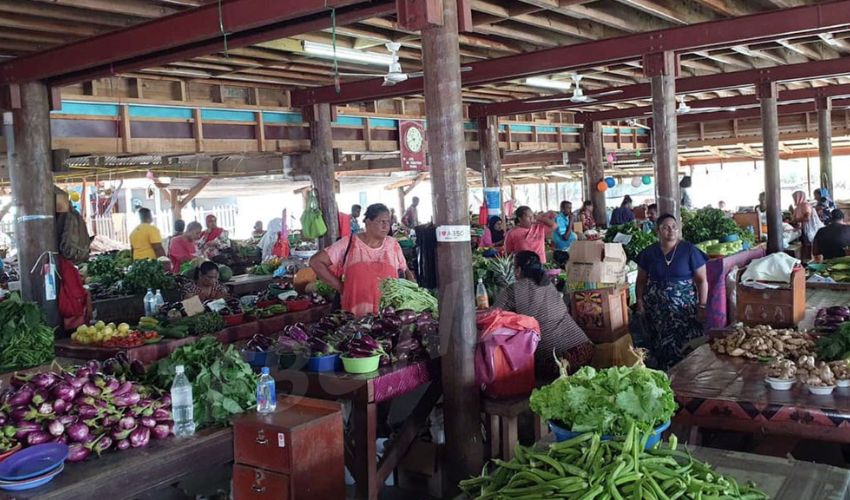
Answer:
(397, 335)
(830, 318)
(85, 408)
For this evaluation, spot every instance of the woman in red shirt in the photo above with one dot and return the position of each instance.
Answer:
(529, 233)
(184, 248)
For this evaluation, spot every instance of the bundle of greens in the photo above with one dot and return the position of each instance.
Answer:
(640, 238)
(25, 340)
(223, 384)
(147, 274)
(710, 224)
(607, 401)
(202, 324)
(401, 294)
(104, 270)
(834, 346)
(588, 467)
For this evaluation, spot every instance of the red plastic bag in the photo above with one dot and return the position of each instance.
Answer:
(482, 215)
(504, 357)
(74, 303)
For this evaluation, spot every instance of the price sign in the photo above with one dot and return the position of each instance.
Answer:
(453, 234)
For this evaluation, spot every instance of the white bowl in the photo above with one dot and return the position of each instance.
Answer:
(821, 390)
(842, 382)
(780, 384)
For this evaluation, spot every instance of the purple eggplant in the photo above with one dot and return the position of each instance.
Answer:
(109, 420)
(64, 390)
(45, 408)
(122, 444)
(79, 432)
(19, 413)
(87, 411)
(23, 429)
(90, 389)
(165, 399)
(55, 428)
(161, 431)
(127, 422)
(18, 380)
(297, 332)
(44, 380)
(112, 384)
(40, 396)
(842, 311)
(67, 420)
(3, 418)
(127, 399)
(77, 452)
(102, 444)
(21, 398)
(93, 365)
(60, 439)
(140, 437)
(78, 382)
(137, 368)
(161, 414)
(38, 437)
(112, 367)
(148, 422)
(122, 434)
(60, 406)
(83, 372)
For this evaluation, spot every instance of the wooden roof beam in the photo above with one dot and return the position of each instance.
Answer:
(140, 8)
(674, 12)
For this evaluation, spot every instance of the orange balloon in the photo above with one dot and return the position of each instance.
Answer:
(602, 186)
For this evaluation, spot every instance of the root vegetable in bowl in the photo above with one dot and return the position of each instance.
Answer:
(783, 369)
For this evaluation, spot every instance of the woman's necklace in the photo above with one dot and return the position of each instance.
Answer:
(672, 255)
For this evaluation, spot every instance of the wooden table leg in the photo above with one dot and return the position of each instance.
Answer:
(509, 437)
(495, 435)
(364, 431)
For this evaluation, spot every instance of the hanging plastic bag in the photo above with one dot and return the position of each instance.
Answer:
(312, 223)
(812, 226)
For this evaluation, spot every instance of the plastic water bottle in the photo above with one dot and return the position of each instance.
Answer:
(266, 393)
(182, 405)
(148, 302)
(158, 302)
(481, 298)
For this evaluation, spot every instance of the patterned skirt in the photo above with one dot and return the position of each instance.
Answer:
(671, 312)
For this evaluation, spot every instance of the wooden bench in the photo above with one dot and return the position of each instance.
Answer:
(502, 422)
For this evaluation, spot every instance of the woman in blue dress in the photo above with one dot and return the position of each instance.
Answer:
(672, 291)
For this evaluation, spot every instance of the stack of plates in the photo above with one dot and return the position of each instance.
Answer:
(33, 466)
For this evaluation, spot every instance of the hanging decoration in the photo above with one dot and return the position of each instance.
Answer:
(602, 186)
(647, 180)
(75, 196)
(636, 182)
(638, 153)
(610, 181)
(611, 158)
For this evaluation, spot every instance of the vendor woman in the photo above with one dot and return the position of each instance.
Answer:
(355, 265)
(529, 233)
(205, 285)
(534, 295)
(672, 291)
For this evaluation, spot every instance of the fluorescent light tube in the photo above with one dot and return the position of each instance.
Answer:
(346, 54)
(548, 83)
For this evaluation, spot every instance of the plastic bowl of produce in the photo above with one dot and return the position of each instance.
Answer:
(297, 305)
(842, 382)
(562, 434)
(6, 454)
(821, 390)
(259, 359)
(329, 363)
(266, 303)
(233, 319)
(293, 361)
(729, 238)
(780, 384)
(361, 365)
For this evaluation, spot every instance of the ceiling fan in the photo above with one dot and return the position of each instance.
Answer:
(578, 97)
(684, 109)
(636, 124)
(394, 73)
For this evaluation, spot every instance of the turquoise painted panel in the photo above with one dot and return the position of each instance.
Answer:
(355, 121)
(521, 128)
(469, 126)
(543, 129)
(227, 115)
(271, 117)
(159, 112)
(382, 122)
(570, 130)
(609, 130)
(642, 131)
(87, 108)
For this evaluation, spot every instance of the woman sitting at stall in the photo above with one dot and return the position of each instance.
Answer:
(623, 214)
(529, 233)
(214, 238)
(672, 291)
(275, 243)
(494, 233)
(184, 248)
(534, 295)
(205, 284)
(355, 265)
(807, 220)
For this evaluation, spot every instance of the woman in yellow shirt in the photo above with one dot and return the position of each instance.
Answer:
(145, 240)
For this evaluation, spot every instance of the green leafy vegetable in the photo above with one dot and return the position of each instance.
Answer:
(223, 384)
(710, 224)
(640, 238)
(834, 346)
(403, 294)
(145, 274)
(25, 340)
(607, 401)
(104, 270)
(202, 324)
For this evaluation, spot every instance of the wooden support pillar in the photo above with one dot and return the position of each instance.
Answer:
(662, 69)
(27, 131)
(824, 105)
(594, 158)
(401, 194)
(770, 135)
(322, 169)
(491, 159)
(458, 335)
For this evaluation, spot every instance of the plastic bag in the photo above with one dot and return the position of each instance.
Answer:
(775, 267)
(812, 226)
(312, 223)
(732, 296)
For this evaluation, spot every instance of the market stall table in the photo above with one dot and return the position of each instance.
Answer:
(365, 392)
(132, 473)
(727, 393)
(716, 271)
(245, 284)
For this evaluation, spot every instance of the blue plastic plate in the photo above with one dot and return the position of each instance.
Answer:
(31, 483)
(33, 461)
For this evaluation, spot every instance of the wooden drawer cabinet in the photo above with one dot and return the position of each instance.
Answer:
(779, 307)
(255, 484)
(297, 449)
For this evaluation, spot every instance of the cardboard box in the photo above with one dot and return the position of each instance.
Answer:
(617, 353)
(421, 470)
(596, 261)
(603, 314)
